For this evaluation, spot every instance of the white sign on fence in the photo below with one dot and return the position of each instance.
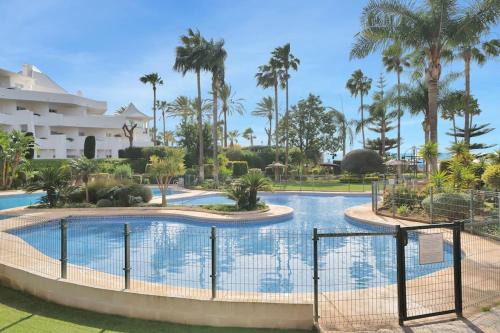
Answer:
(430, 248)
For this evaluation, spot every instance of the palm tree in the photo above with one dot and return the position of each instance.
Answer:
(429, 152)
(469, 50)
(164, 107)
(168, 138)
(268, 76)
(431, 29)
(52, 180)
(394, 61)
(154, 80)
(265, 108)
(192, 56)
(230, 105)
(287, 61)
(183, 107)
(83, 167)
(359, 84)
(346, 133)
(249, 135)
(216, 56)
(233, 137)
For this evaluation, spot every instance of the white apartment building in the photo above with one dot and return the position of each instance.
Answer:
(31, 101)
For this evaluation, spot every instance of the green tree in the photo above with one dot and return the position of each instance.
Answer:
(233, 137)
(428, 152)
(154, 80)
(345, 129)
(249, 135)
(191, 56)
(254, 181)
(287, 61)
(82, 168)
(165, 169)
(183, 107)
(395, 60)
(430, 29)
(359, 84)
(14, 147)
(230, 105)
(265, 109)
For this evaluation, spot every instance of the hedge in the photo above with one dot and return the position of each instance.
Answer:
(240, 168)
(89, 147)
(362, 161)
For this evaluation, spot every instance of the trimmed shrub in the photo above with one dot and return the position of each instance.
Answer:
(104, 203)
(123, 171)
(130, 152)
(39, 164)
(453, 206)
(240, 168)
(89, 147)
(121, 197)
(362, 161)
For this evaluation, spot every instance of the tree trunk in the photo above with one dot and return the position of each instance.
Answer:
(225, 124)
(454, 128)
(214, 130)
(154, 115)
(286, 123)
(270, 134)
(164, 139)
(399, 122)
(433, 73)
(200, 130)
(467, 101)
(362, 122)
(276, 134)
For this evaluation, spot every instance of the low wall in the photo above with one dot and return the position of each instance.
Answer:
(152, 307)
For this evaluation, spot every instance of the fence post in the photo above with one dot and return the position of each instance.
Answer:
(471, 206)
(126, 269)
(393, 200)
(213, 276)
(457, 267)
(315, 274)
(401, 273)
(64, 249)
(431, 205)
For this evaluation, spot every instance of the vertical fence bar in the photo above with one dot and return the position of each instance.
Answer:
(401, 274)
(471, 206)
(457, 268)
(376, 197)
(315, 274)
(431, 205)
(393, 200)
(213, 276)
(126, 269)
(64, 249)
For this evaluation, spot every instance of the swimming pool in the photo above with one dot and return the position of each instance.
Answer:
(19, 200)
(170, 191)
(267, 257)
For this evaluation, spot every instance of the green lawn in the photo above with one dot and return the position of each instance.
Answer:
(23, 313)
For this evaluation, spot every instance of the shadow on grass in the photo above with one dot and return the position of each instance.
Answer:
(50, 317)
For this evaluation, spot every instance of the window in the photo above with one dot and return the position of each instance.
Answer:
(81, 133)
(20, 108)
(24, 128)
(52, 110)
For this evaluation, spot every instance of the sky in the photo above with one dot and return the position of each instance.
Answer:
(102, 48)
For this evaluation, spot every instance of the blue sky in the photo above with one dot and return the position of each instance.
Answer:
(103, 47)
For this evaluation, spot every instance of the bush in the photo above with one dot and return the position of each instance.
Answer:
(240, 168)
(403, 196)
(362, 161)
(144, 192)
(89, 147)
(404, 210)
(104, 203)
(123, 171)
(121, 197)
(453, 206)
(130, 152)
(491, 176)
(39, 164)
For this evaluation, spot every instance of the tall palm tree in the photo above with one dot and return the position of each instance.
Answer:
(216, 56)
(191, 56)
(233, 137)
(359, 84)
(230, 105)
(249, 135)
(287, 61)
(394, 61)
(268, 76)
(265, 108)
(164, 107)
(346, 133)
(470, 50)
(431, 28)
(154, 80)
(183, 107)
(169, 137)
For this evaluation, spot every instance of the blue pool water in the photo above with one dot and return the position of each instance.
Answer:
(19, 200)
(268, 257)
(156, 191)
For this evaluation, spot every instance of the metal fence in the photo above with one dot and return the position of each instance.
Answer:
(353, 279)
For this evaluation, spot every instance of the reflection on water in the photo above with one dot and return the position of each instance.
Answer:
(267, 258)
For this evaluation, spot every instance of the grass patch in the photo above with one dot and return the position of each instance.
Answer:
(23, 313)
(232, 208)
